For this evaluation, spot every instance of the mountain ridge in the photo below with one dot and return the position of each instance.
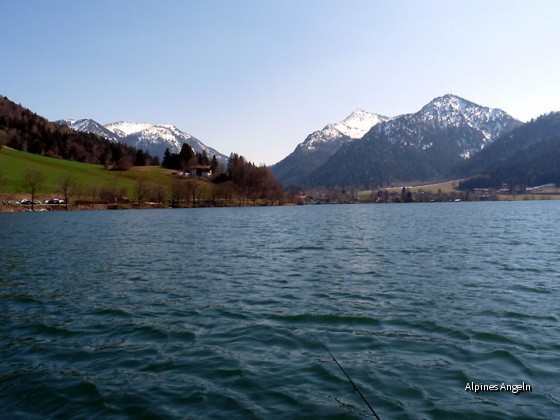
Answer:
(321, 144)
(420, 146)
(525, 157)
(152, 138)
(24, 130)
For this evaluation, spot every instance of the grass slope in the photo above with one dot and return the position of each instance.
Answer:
(13, 165)
(445, 187)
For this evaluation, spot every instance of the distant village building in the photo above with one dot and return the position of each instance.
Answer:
(541, 187)
(201, 171)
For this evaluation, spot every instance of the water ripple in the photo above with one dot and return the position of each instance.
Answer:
(224, 313)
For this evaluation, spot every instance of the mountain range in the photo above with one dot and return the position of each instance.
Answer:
(21, 129)
(152, 138)
(423, 146)
(448, 138)
(322, 144)
(526, 156)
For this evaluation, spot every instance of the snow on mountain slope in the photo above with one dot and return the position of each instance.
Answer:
(156, 138)
(451, 110)
(470, 126)
(423, 146)
(352, 127)
(320, 145)
(124, 128)
(87, 125)
(152, 138)
(151, 134)
(358, 123)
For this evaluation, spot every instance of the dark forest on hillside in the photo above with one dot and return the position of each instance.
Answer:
(529, 156)
(24, 130)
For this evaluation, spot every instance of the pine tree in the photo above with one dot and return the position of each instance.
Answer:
(166, 159)
(140, 159)
(214, 164)
(33, 179)
(185, 155)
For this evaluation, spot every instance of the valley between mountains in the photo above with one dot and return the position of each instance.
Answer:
(449, 138)
(368, 151)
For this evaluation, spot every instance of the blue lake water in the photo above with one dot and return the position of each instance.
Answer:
(223, 313)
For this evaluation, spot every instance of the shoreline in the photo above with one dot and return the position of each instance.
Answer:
(26, 208)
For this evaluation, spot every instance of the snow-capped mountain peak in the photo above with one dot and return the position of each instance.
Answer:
(88, 125)
(155, 138)
(449, 101)
(352, 127)
(152, 138)
(468, 125)
(125, 128)
(358, 123)
(454, 111)
(421, 145)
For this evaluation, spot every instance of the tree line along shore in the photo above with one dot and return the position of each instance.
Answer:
(28, 181)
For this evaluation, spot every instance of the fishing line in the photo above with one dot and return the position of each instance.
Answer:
(350, 380)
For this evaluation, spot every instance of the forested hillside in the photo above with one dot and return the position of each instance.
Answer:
(420, 147)
(22, 129)
(46, 156)
(528, 156)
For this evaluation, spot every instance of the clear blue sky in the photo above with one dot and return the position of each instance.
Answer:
(257, 76)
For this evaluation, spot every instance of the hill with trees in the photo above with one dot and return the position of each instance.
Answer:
(22, 129)
(421, 147)
(42, 159)
(316, 149)
(528, 156)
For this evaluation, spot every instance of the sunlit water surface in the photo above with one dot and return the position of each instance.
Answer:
(221, 313)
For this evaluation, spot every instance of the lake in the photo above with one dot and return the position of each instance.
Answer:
(232, 312)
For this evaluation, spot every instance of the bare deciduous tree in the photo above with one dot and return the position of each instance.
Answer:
(32, 179)
(159, 194)
(178, 192)
(142, 190)
(68, 186)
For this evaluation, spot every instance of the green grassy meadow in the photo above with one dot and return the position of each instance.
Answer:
(13, 165)
(444, 187)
